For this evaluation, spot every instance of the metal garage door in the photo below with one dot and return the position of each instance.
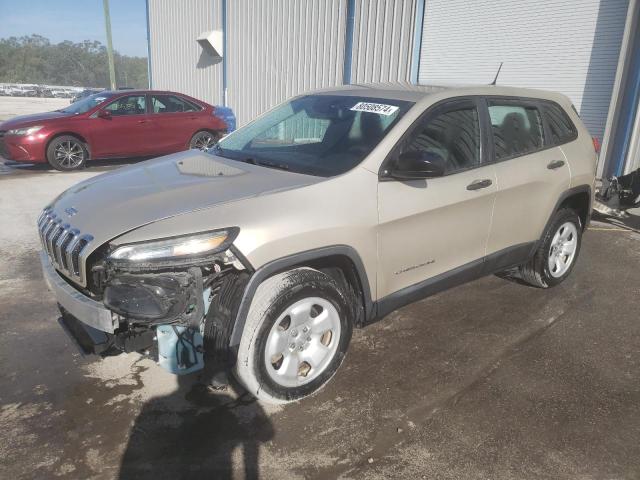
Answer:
(177, 62)
(279, 48)
(562, 45)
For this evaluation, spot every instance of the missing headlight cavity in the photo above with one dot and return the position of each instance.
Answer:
(180, 313)
(164, 297)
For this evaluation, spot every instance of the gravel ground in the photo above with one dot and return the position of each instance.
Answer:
(12, 106)
(489, 380)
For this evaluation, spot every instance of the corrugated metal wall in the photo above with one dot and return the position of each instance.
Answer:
(178, 62)
(382, 40)
(279, 48)
(550, 44)
(632, 161)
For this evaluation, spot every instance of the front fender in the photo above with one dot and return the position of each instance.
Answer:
(285, 263)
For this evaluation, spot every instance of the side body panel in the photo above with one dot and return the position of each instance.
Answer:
(119, 135)
(171, 131)
(527, 193)
(428, 227)
(580, 153)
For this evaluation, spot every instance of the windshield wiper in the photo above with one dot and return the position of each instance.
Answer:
(264, 163)
(251, 160)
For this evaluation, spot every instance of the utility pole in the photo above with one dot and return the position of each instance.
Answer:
(107, 23)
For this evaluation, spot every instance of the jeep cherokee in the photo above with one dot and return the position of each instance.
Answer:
(326, 213)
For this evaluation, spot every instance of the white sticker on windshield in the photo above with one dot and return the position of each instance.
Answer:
(379, 108)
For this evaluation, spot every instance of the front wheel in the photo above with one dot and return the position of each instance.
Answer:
(203, 140)
(297, 333)
(558, 251)
(67, 153)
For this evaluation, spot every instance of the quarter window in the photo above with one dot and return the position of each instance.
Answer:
(517, 129)
(171, 104)
(454, 135)
(132, 105)
(560, 126)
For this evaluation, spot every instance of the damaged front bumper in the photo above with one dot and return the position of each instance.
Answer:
(92, 313)
(162, 313)
(94, 335)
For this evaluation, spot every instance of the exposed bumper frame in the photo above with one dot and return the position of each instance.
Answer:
(83, 308)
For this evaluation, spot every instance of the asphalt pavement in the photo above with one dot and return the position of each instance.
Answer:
(490, 380)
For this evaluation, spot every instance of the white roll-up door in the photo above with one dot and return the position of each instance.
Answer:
(563, 45)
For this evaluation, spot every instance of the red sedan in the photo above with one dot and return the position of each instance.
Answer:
(114, 124)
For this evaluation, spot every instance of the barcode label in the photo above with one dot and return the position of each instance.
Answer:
(379, 108)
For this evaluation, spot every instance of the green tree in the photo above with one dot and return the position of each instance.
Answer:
(33, 59)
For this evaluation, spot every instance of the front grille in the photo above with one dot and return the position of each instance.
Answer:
(65, 245)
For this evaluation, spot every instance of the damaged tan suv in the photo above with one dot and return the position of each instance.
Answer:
(324, 214)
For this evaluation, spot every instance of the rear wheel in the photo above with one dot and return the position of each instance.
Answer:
(559, 248)
(296, 336)
(67, 153)
(203, 140)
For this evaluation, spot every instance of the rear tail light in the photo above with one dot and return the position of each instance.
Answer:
(596, 144)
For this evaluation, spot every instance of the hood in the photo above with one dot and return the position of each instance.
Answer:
(28, 120)
(117, 202)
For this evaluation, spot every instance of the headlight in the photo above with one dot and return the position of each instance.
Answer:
(25, 131)
(177, 248)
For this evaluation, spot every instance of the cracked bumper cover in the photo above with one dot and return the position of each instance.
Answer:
(80, 306)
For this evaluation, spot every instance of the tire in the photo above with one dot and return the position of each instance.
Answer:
(203, 140)
(275, 354)
(558, 252)
(67, 153)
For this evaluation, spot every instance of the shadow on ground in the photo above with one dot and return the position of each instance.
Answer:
(630, 222)
(200, 441)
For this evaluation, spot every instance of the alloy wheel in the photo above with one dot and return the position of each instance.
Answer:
(69, 154)
(203, 141)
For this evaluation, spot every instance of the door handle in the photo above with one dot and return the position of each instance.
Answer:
(555, 164)
(144, 121)
(478, 184)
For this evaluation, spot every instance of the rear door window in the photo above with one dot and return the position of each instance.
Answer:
(517, 129)
(561, 127)
(171, 104)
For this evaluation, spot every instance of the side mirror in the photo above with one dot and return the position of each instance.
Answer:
(106, 114)
(418, 164)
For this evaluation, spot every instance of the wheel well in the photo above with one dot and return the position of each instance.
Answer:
(71, 134)
(210, 130)
(580, 202)
(343, 271)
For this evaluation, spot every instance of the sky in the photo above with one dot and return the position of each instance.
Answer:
(78, 20)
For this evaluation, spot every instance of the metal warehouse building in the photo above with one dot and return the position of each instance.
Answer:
(252, 54)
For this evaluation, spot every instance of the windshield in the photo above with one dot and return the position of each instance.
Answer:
(322, 135)
(87, 103)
